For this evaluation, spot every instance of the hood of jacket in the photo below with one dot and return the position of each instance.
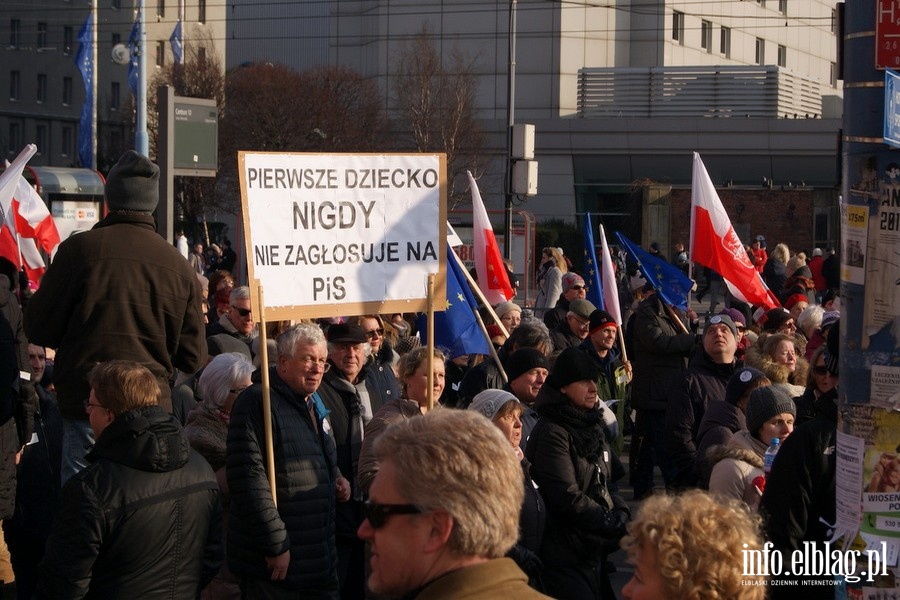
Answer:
(743, 447)
(721, 414)
(776, 372)
(147, 439)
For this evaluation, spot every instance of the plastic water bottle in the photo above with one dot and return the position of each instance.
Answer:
(769, 456)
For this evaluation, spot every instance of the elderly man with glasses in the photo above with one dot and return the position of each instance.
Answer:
(573, 288)
(238, 319)
(284, 547)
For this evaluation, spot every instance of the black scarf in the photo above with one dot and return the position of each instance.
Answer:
(585, 427)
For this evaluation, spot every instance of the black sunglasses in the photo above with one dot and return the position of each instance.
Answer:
(244, 312)
(375, 333)
(378, 514)
(578, 287)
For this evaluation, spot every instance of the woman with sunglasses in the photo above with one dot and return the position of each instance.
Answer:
(412, 402)
(221, 382)
(383, 358)
(818, 382)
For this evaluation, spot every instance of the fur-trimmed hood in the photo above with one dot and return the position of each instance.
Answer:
(776, 372)
(743, 447)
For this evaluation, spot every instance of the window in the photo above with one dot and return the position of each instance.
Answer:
(833, 20)
(114, 96)
(160, 54)
(760, 51)
(67, 40)
(782, 56)
(678, 26)
(116, 39)
(67, 91)
(14, 40)
(725, 42)
(201, 11)
(67, 141)
(832, 76)
(15, 137)
(761, 3)
(41, 88)
(116, 3)
(782, 6)
(41, 35)
(40, 138)
(15, 81)
(706, 35)
(161, 9)
(201, 55)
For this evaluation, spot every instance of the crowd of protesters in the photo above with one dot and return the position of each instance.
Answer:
(143, 467)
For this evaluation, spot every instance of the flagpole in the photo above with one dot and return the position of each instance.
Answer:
(141, 140)
(266, 398)
(94, 44)
(474, 285)
(430, 343)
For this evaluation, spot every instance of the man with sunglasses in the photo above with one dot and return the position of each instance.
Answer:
(573, 288)
(238, 320)
(444, 509)
(284, 547)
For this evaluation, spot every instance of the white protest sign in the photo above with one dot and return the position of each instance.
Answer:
(343, 234)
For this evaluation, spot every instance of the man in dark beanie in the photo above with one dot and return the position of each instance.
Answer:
(119, 291)
(798, 504)
(526, 370)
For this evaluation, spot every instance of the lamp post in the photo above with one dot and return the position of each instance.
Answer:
(511, 119)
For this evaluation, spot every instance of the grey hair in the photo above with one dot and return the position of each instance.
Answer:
(239, 293)
(810, 319)
(301, 333)
(220, 375)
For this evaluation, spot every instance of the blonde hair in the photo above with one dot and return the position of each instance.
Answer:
(459, 462)
(558, 259)
(700, 544)
(781, 253)
(123, 385)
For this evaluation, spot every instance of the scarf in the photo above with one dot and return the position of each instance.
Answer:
(585, 427)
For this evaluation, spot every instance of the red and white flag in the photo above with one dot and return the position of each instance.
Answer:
(18, 250)
(608, 274)
(33, 219)
(715, 244)
(492, 278)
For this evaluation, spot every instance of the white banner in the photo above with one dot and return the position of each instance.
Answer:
(343, 234)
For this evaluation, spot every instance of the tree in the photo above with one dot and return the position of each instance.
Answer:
(437, 103)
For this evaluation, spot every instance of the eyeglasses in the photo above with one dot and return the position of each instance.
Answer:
(378, 514)
(88, 405)
(309, 362)
(375, 333)
(239, 390)
(244, 312)
(578, 287)
(820, 370)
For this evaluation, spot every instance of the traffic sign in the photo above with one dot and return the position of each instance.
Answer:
(891, 108)
(887, 34)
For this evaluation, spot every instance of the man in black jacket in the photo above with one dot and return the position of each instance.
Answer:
(117, 291)
(702, 383)
(145, 515)
(286, 550)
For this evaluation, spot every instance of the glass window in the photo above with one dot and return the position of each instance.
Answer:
(678, 26)
(706, 35)
(116, 39)
(15, 137)
(115, 96)
(201, 11)
(160, 54)
(782, 6)
(40, 138)
(161, 8)
(42, 35)
(67, 91)
(201, 54)
(832, 76)
(68, 141)
(760, 51)
(41, 88)
(67, 40)
(725, 41)
(14, 25)
(15, 82)
(782, 56)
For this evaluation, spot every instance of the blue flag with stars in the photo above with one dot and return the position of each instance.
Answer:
(668, 280)
(456, 328)
(591, 266)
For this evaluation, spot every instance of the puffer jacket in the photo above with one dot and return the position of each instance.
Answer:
(305, 472)
(735, 467)
(145, 490)
(661, 352)
(118, 291)
(720, 422)
(584, 518)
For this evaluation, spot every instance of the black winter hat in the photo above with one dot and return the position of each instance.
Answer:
(133, 184)
(766, 402)
(572, 365)
(739, 382)
(523, 360)
(775, 318)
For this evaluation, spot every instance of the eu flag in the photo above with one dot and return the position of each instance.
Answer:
(591, 266)
(85, 62)
(456, 328)
(177, 44)
(668, 280)
(134, 41)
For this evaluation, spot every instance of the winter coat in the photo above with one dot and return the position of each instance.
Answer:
(815, 267)
(380, 374)
(610, 384)
(660, 356)
(145, 489)
(798, 504)
(556, 315)
(778, 373)
(305, 472)
(497, 578)
(702, 384)
(775, 275)
(207, 432)
(119, 291)
(549, 288)
(483, 376)
(719, 424)
(562, 338)
(735, 467)
(571, 465)
(394, 411)
(18, 397)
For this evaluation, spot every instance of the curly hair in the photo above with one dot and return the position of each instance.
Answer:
(699, 544)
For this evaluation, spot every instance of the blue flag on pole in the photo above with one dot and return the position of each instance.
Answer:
(85, 62)
(177, 44)
(668, 280)
(456, 329)
(591, 266)
(134, 41)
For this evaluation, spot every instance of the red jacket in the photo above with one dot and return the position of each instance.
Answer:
(815, 266)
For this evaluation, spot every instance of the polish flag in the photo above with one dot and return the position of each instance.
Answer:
(610, 289)
(714, 243)
(13, 247)
(492, 278)
(33, 219)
